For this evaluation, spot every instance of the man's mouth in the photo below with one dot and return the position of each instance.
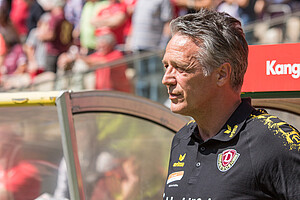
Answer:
(173, 96)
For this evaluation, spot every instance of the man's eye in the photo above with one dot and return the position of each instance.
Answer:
(180, 69)
(165, 67)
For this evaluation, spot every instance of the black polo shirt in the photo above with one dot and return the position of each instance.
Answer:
(254, 156)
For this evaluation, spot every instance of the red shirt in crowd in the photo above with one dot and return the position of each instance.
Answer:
(18, 15)
(2, 46)
(129, 5)
(110, 11)
(111, 78)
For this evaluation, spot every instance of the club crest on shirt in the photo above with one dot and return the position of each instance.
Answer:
(227, 159)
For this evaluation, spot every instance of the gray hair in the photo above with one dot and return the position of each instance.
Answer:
(108, 38)
(220, 39)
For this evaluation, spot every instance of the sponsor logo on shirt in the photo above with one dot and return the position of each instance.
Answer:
(175, 176)
(227, 159)
(231, 131)
(180, 163)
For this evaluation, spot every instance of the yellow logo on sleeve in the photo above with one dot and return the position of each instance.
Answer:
(290, 135)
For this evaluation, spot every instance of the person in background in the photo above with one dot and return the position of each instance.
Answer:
(113, 18)
(106, 78)
(5, 6)
(2, 49)
(6, 3)
(150, 33)
(231, 7)
(35, 12)
(72, 10)
(13, 59)
(150, 24)
(87, 31)
(18, 15)
(19, 179)
(248, 12)
(192, 6)
(35, 48)
(130, 5)
(229, 150)
(117, 179)
(4, 19)
(57, 35)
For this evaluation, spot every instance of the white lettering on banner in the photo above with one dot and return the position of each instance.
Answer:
(281, 69)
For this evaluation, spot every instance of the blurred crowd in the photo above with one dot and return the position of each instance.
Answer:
(40, 39)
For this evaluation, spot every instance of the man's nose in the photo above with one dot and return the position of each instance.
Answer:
(169, 78)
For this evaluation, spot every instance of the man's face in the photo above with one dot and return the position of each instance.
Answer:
(103, 46)
(190, 91)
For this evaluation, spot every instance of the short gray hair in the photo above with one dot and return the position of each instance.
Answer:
(108, 38)
(220, 38)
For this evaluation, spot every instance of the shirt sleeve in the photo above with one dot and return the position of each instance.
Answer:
(32, 38)
(277, 161)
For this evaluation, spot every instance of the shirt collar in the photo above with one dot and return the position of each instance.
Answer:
(236, 121)
(233, 125)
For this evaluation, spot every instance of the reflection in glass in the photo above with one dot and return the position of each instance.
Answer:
(30, 151)
(122, 157)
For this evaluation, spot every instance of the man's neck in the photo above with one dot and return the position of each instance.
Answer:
(213, 119)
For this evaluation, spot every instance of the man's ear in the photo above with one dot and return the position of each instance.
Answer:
(223, 74)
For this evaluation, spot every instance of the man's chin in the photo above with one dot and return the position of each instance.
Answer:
(176, 109)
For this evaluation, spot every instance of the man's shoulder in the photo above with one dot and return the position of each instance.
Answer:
(269, 128)
(184, 133)
(274, 151)
(186, 130)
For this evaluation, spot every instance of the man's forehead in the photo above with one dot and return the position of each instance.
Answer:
(181, 46)
(180, 40)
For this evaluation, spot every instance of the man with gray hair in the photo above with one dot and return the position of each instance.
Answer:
(229, 150)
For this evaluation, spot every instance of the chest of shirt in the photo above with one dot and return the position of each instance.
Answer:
(210, 171)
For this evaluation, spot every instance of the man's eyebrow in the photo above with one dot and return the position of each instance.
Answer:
(176, 64)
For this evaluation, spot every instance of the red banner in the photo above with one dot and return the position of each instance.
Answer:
(273, 68)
